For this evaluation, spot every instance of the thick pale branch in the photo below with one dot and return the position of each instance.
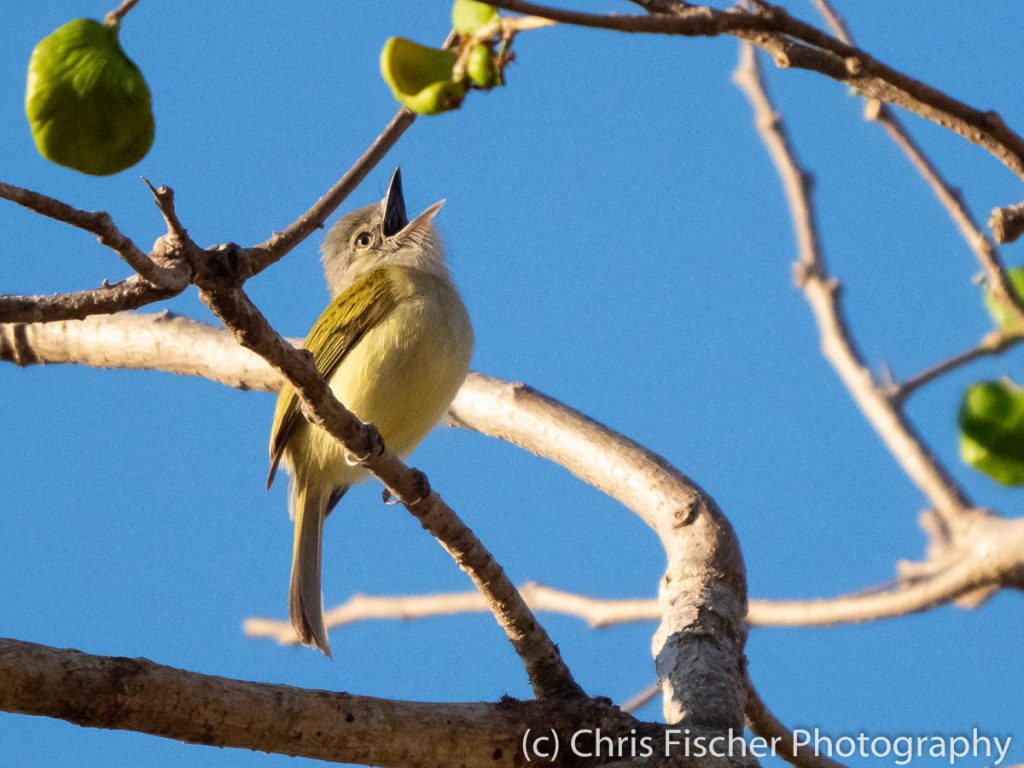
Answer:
(699, 644)
(793, 43)
(139, 695)
(179, 345)
(823, 294)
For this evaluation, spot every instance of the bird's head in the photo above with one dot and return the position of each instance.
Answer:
(381, 235)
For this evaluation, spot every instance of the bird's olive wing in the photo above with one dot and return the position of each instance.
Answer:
(338, 329)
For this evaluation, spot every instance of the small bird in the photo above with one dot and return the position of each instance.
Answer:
(394, 345)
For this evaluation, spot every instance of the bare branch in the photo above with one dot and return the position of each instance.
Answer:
(115, 16)
(702, 598)
(992, 557)
(951, 199)
(598, 613)
(823, 294)
(793, 43)
(548, 674)
(995, 343)
(269, 251)
(139, 695)
(102, 225)
(762, 722)
(132, 293)
(163, 342)
(642, 699)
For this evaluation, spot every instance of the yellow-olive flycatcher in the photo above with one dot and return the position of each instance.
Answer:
(394, 345)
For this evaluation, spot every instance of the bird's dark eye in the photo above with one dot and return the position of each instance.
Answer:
(363, 239)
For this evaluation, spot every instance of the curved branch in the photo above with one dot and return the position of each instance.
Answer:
(100, 224)
(180, 345)
(702, 599)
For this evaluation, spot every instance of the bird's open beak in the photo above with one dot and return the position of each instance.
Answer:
(423, 218)
(395, 218)
(396, 222)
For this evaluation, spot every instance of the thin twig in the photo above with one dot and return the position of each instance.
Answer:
(762, 722)
(115, 16)
(100, 224)
(598, 613)
(994, 559)
(642, 699)
(994, 343)
(269, 251)
(950, 198)
(823, 294)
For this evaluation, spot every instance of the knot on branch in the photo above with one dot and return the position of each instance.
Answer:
(1007, 224)
(222, 263)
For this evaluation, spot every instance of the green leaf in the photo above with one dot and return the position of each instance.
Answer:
(468, 16)
(421, 77)
(991, 421)
(480, 67)
(1005, 318)
(87, 103)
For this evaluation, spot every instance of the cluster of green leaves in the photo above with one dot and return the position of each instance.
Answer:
(429, 81)
(991, 416)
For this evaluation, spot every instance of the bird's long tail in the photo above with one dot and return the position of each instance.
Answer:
(305, 601)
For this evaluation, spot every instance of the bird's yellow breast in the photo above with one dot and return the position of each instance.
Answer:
(400, 376)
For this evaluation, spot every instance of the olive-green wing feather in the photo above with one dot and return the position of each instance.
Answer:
(338, 329)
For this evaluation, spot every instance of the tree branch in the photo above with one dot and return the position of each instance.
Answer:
(179, 345)
(115, 16)
(1007, 223)
(699, 643)
(761, 721)
(823, 294)
(269, 251)
(793, 43)
(950, 198)
(131, 293)
(139, 695)
(102, 225)
(994, 343)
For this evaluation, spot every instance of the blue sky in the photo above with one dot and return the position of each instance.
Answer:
(621, 241)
